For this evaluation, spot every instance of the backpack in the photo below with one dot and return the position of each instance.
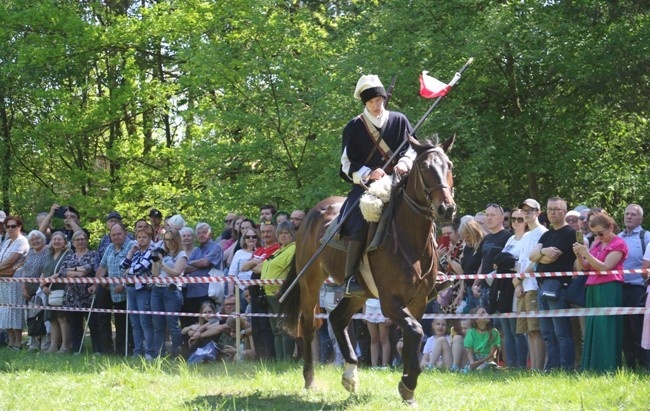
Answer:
(643, 244)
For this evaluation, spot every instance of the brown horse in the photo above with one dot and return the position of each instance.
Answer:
(404, 268)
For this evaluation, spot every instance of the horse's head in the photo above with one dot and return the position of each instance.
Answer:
(431, 180)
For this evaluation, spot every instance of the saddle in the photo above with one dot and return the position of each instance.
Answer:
(376, 232)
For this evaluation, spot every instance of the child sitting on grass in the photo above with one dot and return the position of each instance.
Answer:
(444, 351)
(437, 349)
(482, 342)
(458, 351)
(208, 309)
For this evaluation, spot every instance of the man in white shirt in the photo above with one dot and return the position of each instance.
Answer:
(526, 288)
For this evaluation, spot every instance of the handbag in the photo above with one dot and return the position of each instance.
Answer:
(36, 325)
(34, 305)
(55, 299)
(551, 289)
(216, 289)
(207, 353)
(35, 318)
(576, 292)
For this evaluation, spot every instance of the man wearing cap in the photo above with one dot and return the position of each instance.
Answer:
(526, 287)
(369, 140)
(637, 240)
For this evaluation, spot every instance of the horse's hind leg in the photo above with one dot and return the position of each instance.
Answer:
(307, 323)
(340, 318)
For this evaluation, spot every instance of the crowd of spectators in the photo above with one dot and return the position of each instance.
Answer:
(155, 247)
(523, 239)
(527, 239)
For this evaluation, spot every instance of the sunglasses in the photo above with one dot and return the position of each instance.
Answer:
(600, 233)
(517, 219)
(11, 226)
(227, 221)
(266, 222)
(529, 211)
(495, 205)
(250, 237)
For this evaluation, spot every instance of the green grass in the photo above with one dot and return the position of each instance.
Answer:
(54, 382)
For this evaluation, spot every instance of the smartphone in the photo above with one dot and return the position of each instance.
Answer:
(60, 212)
(580, 238)
(443, 241)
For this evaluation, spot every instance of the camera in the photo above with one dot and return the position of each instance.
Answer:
(60, 212)
(157, 253)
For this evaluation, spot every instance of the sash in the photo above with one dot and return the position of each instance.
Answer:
(379, 144)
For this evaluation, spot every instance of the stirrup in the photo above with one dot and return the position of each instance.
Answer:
(352, 288)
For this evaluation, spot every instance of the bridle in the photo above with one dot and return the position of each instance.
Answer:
(426, 211)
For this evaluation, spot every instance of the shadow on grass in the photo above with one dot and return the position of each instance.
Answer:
(265, 401)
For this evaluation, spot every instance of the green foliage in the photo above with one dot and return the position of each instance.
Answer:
(203, 107)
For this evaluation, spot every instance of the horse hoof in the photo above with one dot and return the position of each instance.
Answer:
(351, 385)
(407, 394)
(350, 379)
(309, 382)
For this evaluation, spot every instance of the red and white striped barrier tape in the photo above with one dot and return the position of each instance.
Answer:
(139, 280)
(569, 312)
(550, 274)
(207, 280)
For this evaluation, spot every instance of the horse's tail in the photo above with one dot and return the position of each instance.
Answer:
(290, 307)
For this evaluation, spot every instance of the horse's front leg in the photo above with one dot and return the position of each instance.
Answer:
(412, 334)
(340, 319)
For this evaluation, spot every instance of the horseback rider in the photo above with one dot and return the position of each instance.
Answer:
(369, 140)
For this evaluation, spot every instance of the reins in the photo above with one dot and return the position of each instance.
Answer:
(423, 211)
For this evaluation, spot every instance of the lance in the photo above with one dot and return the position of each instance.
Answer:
(344, 217)
(389, 93)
